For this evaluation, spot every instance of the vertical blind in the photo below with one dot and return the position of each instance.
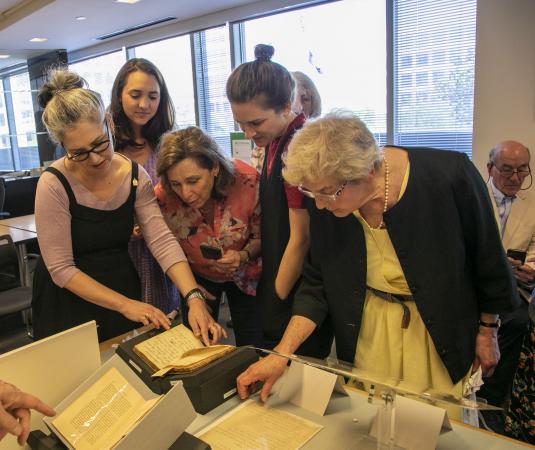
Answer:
(212, 67)
(433, 68)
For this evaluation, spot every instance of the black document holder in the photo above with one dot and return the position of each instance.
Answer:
(206, 387)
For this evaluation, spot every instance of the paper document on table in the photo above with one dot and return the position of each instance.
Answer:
(103, 414)
(178, 350)
(253, 426)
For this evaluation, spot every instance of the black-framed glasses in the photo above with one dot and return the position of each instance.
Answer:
(508, 172)
(99, 148)
(325, 197)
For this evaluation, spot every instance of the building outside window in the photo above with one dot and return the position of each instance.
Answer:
(26, 153)
(173, 59)
(347, 65)
(439, 36)
(212, 68)
(100, 72)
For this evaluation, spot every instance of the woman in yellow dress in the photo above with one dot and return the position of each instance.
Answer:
(405, 260)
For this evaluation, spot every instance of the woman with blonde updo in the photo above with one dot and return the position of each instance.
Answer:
(84, 212)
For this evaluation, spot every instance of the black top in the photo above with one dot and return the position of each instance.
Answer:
(100, 249)
(445, 236)
(275, 234)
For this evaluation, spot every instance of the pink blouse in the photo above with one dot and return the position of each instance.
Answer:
(53, 220)
(236, 220)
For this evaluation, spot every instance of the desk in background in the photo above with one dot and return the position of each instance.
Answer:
(26, 223)
(20, 238)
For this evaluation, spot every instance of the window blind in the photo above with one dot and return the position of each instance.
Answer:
(212, 68)
(433, 72)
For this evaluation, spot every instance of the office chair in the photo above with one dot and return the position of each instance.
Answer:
(14, 297)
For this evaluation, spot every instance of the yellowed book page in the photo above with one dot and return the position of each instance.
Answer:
(195, 358)
(102, 415)
(168, 346)
(254, 426)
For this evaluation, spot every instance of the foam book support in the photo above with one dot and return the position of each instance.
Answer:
(207, 387)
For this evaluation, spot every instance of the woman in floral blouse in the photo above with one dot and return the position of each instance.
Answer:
(209, 201)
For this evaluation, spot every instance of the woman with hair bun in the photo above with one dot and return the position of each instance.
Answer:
(142, 111)
(84, 213)
(260, 94)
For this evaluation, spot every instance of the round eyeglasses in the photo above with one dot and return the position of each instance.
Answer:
(508, 172)
(98, 148)
(325, 197)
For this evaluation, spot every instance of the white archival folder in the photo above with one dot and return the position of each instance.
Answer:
(51, 369)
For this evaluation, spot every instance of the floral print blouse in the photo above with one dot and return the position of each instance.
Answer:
(236, 220)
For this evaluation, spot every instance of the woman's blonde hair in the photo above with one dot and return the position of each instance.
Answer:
(337, 146)
(67, 101)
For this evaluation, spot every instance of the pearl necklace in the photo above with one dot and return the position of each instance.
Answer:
(385, 207)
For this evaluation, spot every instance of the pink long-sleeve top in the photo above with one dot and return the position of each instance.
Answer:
(53, 221)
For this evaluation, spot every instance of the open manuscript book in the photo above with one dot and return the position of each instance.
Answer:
(103, 414)
(178, 350)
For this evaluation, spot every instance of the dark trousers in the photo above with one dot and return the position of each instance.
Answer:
(510, 337)
(243, 310)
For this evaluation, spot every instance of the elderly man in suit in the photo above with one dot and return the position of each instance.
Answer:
(514, 208)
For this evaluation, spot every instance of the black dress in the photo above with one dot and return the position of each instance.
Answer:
(275, 234)
(100, 249)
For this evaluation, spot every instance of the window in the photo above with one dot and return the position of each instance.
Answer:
(173, 59)
(100, 72)
(27, 155)
(5, 146)
(212, 68)
(346, 64)
(442, 116)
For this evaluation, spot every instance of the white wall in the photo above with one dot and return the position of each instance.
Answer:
(504, 97)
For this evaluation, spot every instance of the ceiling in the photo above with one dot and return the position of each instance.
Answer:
(21, 20)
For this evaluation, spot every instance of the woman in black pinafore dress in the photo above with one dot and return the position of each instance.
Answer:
(86, 272)
(100, 249)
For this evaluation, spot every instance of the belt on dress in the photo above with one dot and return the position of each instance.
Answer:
(396, 298)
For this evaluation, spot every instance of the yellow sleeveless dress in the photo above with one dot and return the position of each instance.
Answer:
(384, 349)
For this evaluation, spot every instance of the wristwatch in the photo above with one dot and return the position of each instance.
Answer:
(194, 293)
(490, 324)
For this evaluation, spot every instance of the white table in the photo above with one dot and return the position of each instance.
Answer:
(348, 417)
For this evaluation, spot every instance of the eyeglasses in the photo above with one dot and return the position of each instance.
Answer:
(325, 197)
(99, 148)
(508, 172)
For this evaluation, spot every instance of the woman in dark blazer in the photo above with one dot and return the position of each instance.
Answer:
(405, 259)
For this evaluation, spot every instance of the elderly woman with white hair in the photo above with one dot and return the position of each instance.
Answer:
(405, 259)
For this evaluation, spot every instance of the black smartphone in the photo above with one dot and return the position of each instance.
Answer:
(210, 252)
(517, 254)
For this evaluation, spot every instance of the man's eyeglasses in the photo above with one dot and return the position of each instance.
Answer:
(325, 197)
(99, 148)
(508, 172)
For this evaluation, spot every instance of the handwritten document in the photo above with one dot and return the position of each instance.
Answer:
(179, 350)
(254, 426)
(103, 414)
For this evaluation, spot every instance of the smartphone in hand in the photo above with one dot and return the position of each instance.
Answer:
(210, 252)
(519, 255)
